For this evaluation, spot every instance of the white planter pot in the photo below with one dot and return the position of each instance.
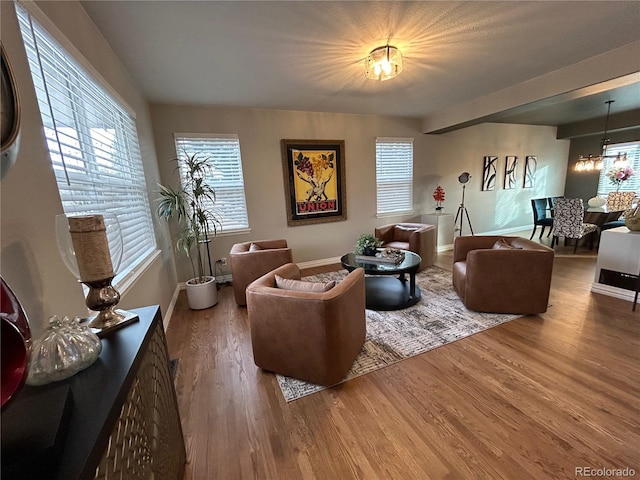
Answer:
(202, 295)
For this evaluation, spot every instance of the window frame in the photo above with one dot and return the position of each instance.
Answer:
(234, 186)
(45, 44)
(633, 184)
(395, 176)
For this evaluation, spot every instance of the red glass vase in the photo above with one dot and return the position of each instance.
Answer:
(16, 342)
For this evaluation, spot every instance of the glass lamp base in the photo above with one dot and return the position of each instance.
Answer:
(108, 320)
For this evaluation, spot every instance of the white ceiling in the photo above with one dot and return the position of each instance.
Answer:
(309, 55)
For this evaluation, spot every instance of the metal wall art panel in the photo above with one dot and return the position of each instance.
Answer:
(530, 166)
(489, 173)
(510, 172)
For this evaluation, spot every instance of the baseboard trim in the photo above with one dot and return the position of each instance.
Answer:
(174, 299)
(611, 291)
(323, 262)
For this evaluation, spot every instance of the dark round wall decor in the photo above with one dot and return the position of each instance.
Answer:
(9, 117)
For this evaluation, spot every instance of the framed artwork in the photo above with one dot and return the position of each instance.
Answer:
(510, 172)
(489, 173)
(314, 181)
(530, 166)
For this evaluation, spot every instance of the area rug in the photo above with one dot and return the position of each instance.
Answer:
(438, 319)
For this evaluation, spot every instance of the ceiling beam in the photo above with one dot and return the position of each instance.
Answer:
(612, 69)
(595, 126)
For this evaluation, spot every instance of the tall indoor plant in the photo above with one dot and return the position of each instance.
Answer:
(191, 205)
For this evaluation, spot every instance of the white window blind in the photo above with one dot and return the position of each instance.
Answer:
(632, 149)
(394, 175)
(225, 177)
(92, 143)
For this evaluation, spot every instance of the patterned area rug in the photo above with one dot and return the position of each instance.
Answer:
(439, 318)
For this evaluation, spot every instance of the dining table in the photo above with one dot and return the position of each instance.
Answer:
(601, 215)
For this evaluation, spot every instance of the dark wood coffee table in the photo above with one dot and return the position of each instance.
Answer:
(383, 290)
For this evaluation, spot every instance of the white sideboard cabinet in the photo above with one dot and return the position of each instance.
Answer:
(445, 227)
(618, 263)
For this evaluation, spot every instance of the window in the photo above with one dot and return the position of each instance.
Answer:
(92, 143)
(394, 175)
(226, 177)
(632, 149)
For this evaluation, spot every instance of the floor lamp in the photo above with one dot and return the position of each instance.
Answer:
(462, 210)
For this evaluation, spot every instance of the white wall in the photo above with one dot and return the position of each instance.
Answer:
(500, 209)
(30, 260)
(439, 159)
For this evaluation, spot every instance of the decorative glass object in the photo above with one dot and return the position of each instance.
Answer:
(66, 347)
(597, 201)
(91, 247)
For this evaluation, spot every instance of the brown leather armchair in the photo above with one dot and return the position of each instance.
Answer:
(307, 335)
(419, 238)
(515, 278)
(251, 260)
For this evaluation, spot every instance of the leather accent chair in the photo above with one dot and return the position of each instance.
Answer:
(312, 336)
(419, 238)
(251, 260)
(513, 279)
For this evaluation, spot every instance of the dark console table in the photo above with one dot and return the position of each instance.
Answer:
(116, 419)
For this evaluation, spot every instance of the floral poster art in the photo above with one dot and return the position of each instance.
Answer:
(314, 180)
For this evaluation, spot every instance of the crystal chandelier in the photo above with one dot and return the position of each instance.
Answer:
(596, 162)
(384, 63)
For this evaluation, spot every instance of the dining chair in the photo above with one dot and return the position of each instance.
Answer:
(568, 222)
(552, 202)
(540, 216)
(620, 200)
(635, 298)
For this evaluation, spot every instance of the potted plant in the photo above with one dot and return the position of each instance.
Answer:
(191, 205)
(366, 244)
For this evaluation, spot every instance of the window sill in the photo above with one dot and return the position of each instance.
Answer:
(395, 214)
(124, 281)
(239, 231)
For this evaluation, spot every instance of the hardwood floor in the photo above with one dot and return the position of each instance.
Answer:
(534, 398)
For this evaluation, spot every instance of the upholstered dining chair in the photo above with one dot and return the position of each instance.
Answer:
(620, 200)
(568, 222)
(541, 217)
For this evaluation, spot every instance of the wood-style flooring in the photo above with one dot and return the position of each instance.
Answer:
(535, 398)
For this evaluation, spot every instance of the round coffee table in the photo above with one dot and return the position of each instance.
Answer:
(383, 290)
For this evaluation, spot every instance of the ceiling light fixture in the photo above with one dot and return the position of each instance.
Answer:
(596, 162)
(384, 63)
